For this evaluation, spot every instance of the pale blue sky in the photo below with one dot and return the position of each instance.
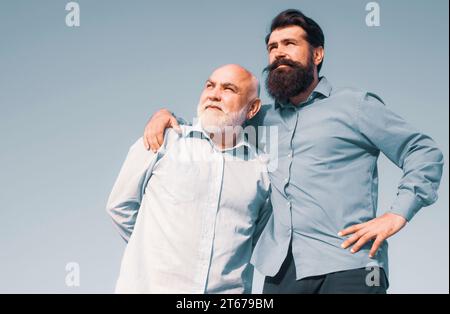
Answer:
(72, 101)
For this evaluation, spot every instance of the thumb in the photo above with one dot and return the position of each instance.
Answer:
(174, 124)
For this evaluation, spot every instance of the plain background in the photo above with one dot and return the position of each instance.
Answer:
(72, 101)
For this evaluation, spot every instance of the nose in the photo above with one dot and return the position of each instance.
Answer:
(279, 54)
(214, 94)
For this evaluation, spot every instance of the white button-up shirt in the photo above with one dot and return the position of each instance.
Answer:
(191, 214)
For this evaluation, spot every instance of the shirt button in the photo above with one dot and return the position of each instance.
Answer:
(289, 155)
(286, 180)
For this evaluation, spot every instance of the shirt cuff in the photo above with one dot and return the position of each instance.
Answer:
(406, 205)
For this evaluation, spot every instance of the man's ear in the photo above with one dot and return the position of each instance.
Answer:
(319, 53)
(254, 107)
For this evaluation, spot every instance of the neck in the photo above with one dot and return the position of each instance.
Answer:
(302, 97)
(225, 139)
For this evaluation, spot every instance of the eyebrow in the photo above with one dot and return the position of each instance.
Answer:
(226, 84)
(231, 85)
(284, 40)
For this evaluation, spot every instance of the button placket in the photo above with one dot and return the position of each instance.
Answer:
(218, 160)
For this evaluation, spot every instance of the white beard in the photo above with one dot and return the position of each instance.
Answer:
(218, 122)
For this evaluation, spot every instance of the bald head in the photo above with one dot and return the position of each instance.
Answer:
(250, 83)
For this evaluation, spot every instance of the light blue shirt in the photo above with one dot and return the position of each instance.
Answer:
(191, 214)
(326, 177)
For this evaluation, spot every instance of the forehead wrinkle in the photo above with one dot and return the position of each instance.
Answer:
(245, 77)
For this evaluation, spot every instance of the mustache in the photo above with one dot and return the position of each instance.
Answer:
(213, 104)
(277, 63)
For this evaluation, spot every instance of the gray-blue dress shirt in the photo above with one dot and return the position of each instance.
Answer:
(326, 177)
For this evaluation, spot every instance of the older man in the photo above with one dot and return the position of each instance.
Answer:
(192, 211)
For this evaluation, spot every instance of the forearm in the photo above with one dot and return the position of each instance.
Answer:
(422, 164)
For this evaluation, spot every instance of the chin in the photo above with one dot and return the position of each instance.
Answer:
(213, 116)
(212, 123)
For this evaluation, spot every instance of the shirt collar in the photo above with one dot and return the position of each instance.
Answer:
(323, 88)
(197, 130)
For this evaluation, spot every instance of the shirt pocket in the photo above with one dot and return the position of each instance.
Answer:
(179, 182)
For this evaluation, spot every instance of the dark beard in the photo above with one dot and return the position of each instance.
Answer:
(287, 82)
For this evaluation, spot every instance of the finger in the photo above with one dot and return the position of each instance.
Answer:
(160, 139)
(147, 137)
(362, 241)
(350, 230)
(153, 143)
(376, 245)
(175, 125)
(146, 144)
(351, 240)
